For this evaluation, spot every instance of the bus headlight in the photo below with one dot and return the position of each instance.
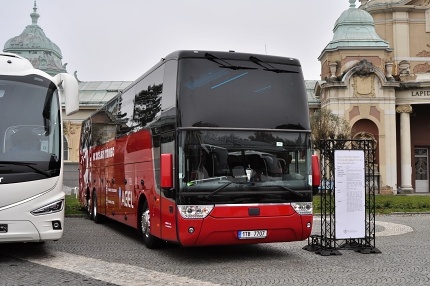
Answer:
(303, 208)
(189, 211)
(49, 209)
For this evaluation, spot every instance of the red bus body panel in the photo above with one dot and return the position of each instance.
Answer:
(222, 225)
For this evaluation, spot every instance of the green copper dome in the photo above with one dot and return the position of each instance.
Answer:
(355, 29)
(34, 45)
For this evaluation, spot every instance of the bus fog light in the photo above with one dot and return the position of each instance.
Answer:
(308, 225)
(56, 224)
(191, 230)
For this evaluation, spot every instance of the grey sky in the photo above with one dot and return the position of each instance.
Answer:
(120, 40)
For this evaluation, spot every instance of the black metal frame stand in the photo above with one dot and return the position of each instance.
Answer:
(326, 243)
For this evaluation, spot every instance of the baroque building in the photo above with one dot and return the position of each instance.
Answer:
(376, 74)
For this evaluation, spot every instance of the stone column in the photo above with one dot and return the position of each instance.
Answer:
(405, 148)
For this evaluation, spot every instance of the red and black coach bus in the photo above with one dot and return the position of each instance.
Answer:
(206, 148)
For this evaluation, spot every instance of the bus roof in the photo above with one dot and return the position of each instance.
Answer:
(231, 55)
(15, 65)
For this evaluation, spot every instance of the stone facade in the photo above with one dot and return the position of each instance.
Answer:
(376, 73)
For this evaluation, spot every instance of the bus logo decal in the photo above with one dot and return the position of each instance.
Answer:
(126, 199)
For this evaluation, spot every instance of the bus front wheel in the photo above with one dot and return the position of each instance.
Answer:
(150, 241)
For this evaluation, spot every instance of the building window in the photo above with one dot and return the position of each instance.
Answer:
(65, 149)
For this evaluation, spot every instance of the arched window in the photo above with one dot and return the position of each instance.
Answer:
(65, 149)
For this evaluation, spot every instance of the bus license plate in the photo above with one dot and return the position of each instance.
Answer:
(250, 234)
(3, 228)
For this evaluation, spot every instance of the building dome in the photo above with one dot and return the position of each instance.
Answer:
(354, 16)
(34, 45)
(355, 28)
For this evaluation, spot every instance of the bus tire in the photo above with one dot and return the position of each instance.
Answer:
(88, 201)
(97, 218)
(144, 227)
(90, 205)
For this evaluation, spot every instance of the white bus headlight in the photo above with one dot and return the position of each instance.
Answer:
(303, 208)
(49, 209)
(189, 211)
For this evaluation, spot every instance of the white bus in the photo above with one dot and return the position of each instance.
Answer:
(31, 145)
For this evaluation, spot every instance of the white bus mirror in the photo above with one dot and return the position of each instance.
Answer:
(69, 91)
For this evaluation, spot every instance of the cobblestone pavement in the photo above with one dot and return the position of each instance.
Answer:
(111, 254)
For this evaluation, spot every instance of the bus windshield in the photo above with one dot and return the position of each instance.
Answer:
(29, 129)
(241, 94)
(244, 166)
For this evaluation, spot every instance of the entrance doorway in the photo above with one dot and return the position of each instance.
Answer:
(421, 170)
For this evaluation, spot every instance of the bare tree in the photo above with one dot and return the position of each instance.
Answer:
(327, 125)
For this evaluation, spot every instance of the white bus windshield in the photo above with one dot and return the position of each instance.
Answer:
(29, 129)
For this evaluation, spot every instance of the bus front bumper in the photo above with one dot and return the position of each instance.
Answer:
(26, 231)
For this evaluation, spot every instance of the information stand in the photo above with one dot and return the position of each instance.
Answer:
(347, 191)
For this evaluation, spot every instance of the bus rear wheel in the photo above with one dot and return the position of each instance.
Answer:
(150, 241)
(97, 218)
(90, 209)
(88, 201)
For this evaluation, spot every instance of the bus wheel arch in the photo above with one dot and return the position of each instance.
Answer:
(144, 225)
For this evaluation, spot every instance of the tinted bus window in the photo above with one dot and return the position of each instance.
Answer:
(140, 105)
(248, 97)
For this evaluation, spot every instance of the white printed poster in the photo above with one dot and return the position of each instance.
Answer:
(350, 196)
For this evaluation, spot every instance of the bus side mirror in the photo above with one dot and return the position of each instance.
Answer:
(166, 171)
(316, 174)
(69, 90)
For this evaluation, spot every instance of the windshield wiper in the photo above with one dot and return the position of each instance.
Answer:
(268, 67)
(220, 188)
(299, 194)
(29, 165)
(225, 64)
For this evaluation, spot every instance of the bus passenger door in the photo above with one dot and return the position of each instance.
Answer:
(168, 205)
